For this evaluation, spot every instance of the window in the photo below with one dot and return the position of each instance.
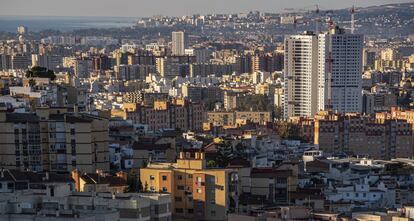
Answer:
(180, 187)
(190, 176)
(190, 211)
(164, 189)
(164, 178)
(213, 213)
(180, 177)
(152, 177)
(178, 199)
(199, 191)
(179, 210)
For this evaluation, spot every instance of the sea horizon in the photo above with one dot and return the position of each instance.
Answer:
(9, 23)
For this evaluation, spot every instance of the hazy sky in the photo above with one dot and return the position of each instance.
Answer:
(140, 8)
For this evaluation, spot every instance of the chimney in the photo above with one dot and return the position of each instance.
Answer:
(182, 155)
(197, 155)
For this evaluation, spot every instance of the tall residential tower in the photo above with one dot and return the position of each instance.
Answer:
(323, 72)
(301, 75)
(178, 43)
(340, 71)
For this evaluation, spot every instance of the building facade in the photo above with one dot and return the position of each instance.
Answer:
(198, 192)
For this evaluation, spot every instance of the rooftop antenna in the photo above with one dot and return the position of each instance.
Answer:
(352, 19)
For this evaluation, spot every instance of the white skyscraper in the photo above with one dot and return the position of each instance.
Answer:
(340, 71)
(178, 43)
(323, 72)
(301, 75)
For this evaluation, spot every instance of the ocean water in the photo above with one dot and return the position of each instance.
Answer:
(38, 23)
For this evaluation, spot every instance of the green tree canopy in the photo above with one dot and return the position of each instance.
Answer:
(40, 72)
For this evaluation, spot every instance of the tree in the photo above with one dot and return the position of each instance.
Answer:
(134, 184)
(278, 112)
(289, 130)
(211, 163)
(255, 102)
(32, 82)
(40, 72)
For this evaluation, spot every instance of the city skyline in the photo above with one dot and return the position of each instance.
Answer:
(206, 110)
(172, 8)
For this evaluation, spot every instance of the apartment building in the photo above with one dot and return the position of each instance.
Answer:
(323, 72)
(301, 75)
(379, 138)
(198, 192)
(266, 185)
(340, 68)
(164, 114)
(178, 43)
(223, 118)
(54, 140)
(20, 141)
(404, 115)
(73, 141)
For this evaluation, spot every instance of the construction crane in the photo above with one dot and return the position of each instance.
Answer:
(352, 19)
(316, 11)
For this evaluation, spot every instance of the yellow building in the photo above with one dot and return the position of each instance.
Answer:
(100, 182)
(198, 193)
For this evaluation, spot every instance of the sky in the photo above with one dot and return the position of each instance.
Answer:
(142, 8)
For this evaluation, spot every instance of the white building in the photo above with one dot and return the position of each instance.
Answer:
(340, 71)
(301, 75)
(178, 43)
(323, 72)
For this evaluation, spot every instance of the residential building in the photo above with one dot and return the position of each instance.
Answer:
(340, 71)
(379, 138)
(222, 118)
(301, 75)
(20, 141)
(73, 141)
(178, 43)
(164, 114)
(199, 193)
